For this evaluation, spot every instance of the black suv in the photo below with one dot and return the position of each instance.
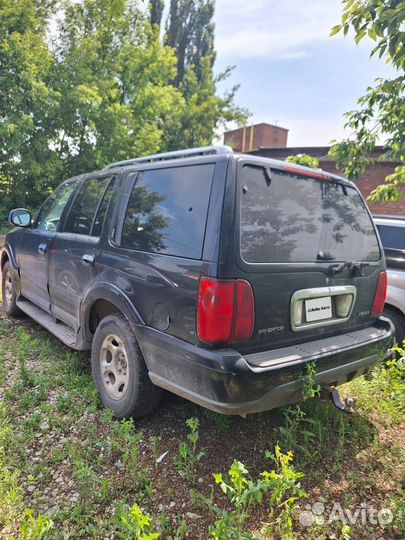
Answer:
(217, 276)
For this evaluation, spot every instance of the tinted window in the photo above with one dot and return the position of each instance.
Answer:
(52, 209)
(102, 210)
(167, 211)
(294, 219)
(392, 237)
(83, 210)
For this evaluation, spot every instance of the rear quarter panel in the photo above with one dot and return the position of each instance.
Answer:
(163, 288)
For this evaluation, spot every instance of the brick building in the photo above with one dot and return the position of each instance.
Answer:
(374, 175)
(251, 138)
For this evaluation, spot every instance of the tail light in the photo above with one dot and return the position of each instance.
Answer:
(225, 311)
(380, 294)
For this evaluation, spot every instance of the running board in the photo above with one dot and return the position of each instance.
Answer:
(62, 331)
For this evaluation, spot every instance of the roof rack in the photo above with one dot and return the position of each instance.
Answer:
(202, 151)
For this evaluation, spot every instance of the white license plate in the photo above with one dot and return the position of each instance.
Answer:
(318, 309)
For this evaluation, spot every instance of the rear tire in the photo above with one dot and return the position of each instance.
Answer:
(119, 370)
(9, 297)
(399, 323)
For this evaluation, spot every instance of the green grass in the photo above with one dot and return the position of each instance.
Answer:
(68, 469)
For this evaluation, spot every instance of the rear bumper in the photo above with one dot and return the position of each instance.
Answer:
(224, 381)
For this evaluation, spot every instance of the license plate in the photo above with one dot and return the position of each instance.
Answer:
(318, 309)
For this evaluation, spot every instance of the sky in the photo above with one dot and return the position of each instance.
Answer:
(290, 71)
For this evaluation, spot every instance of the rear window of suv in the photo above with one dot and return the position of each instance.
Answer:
(167, 211)
(292, 218)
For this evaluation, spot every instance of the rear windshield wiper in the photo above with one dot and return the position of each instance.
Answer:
(355, 266)
(325, 256)
(335, 269)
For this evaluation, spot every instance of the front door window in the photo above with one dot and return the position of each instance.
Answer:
(52, 209)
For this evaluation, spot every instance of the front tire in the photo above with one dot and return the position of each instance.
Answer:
(119, 370)
(9, 297)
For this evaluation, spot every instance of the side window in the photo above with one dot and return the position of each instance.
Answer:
(392, 236)
(102, 209)
(84, 208)
(52, 209)
(167, 211)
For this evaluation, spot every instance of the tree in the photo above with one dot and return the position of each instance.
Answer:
(100, 88)
(304, 159)
(381, 113)
(100, 92)
(27, 102)
(114, 75)
(190, 32)
(156, 8)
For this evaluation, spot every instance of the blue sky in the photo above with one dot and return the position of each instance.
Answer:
(290, 70)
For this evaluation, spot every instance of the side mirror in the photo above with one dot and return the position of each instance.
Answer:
(19, 217)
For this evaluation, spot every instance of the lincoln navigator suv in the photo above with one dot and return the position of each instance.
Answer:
(214, 275)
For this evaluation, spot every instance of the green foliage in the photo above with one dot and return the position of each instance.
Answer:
(101, 88)
(87, 446)
(189, 457)
(296, 421)
(285, 491)
(13, 515)
(388, 380)
(87, 480)
(346, 532)
(310, 389)
(133, 523)
(381, 113)
(190, 32)
(243, 493)
(304, 159)
(126, 440)
(179, 530)
(32, 528)
(282, 488)
(27, 102)
(156, 8)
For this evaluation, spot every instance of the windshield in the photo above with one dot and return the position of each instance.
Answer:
(289, 218)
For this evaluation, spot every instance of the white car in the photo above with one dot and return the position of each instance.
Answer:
(392, 233)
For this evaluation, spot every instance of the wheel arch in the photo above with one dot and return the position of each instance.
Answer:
(102, 300)
(395, 309)
(392, 307)
(7, 255)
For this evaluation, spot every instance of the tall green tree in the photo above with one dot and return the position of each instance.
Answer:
(102, 86)
(381, 112)
(156, 8)
(27, 101)
(114, 75)
(190, 32)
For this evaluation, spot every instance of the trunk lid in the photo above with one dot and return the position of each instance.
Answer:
(306, 243)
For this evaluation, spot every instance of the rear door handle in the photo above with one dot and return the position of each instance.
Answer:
(42, 248)
(88, 259)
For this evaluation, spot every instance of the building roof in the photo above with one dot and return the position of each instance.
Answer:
(256, 125)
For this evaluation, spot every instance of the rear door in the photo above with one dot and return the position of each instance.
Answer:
(73, 259)
(307, 245)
